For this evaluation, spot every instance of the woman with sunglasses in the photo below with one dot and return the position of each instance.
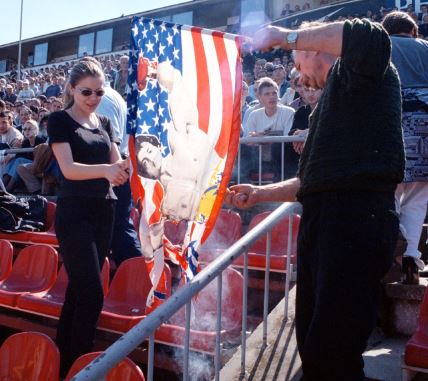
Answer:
(89, 159)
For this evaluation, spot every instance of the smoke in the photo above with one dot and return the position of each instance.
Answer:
(204, 307)
(203, 323)
(250, 24)
(226, 232)
(253, 21)
(203, 319)
(201, 367)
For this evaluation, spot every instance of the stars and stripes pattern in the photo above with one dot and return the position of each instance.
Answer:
(148, 111)
(210, 66)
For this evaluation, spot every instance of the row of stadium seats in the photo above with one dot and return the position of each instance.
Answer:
(34, 356)
(227, 231)
(32, 285)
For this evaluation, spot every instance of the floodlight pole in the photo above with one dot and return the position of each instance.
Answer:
(20, 41)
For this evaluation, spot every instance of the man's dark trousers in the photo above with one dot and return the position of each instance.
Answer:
(125, 243)
(345, 246)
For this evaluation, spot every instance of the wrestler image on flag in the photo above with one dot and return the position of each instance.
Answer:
(184, 124)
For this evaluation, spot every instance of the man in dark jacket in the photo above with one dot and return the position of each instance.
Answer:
(349, 169)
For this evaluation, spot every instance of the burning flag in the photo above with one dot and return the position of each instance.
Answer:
(184, 121)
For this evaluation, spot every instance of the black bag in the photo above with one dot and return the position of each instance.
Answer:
(7, 220)
(22, 213)
(18, 207)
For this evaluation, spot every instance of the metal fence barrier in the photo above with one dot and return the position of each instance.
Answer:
(98, 368)
(16, 150)
(259, 141)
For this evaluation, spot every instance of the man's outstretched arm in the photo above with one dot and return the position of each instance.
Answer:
(246, 195)
(325, 38)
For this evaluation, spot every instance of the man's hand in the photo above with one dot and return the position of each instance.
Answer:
(228, 197)
(255, 134)
(270, 37)
(243, 196)
(246, 195)
(298, 146)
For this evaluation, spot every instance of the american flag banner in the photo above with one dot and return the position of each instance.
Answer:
(184, 123)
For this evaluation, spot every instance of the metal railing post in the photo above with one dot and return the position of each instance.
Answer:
(266, 290)
(238, 180)
(150, 360)
(218, 328)
(244, 315)
(260, 164)
(187, 341)
(282, 161)
(289, 268)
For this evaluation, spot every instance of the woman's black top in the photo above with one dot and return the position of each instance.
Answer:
(88, 146)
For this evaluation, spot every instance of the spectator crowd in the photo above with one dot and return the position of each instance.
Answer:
(277, 69)
(273, 104)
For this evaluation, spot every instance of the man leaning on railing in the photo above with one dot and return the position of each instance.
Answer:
(272, 119)
(352, 161)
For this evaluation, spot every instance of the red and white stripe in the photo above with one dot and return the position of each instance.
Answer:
(214, 58)
(216, 89)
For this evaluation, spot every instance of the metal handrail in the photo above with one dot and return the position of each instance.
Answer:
(134, 337)
(16, 150)
(263, 140)
(271, 139)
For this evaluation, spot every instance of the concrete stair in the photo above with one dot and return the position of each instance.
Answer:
(280, 359)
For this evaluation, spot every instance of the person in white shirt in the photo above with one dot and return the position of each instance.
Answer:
(124, 243)
(26, 92)
(272, 118)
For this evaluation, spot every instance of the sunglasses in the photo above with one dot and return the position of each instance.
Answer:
(27, 129)
(88, 92)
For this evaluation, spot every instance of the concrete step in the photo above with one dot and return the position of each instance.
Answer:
(280, 359)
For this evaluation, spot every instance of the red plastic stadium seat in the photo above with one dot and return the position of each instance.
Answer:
(257, 252)
(126, 370)
(226, 232)
(6, 257)
(204, 306)
(267, 177)
(49, 303)
(416, 352)
(20, 237)
(48, 237)
(125, 303)
(175, 231)
(29, 356)
(34, 271)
